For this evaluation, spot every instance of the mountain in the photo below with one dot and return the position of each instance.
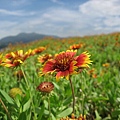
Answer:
(22, 37)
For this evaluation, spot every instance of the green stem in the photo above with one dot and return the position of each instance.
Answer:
(24, 77)
(49, 107)
(83, 85)
(5, 109)
(35, 117)
(82, 103)
(73, 95)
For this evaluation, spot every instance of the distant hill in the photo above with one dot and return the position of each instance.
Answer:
(22, 37)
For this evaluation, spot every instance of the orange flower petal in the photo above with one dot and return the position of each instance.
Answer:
(48, 67)
(83, 60)
(62, 74)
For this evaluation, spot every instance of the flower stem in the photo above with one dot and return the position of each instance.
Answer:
(5, 109)
(24, 77)
(73, 95)
(49, 107)
(30, 92)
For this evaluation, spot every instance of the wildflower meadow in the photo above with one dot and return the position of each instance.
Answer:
(75, 78)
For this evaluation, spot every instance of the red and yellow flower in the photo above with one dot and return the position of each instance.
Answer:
(43, 58)
(38, 50)
(66, 64)
(106, 64)
(76, 46)
(92, 72)
(14, 59)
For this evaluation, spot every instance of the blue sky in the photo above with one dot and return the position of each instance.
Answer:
(59, 17)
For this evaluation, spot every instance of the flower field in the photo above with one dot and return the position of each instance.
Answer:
(75, 78)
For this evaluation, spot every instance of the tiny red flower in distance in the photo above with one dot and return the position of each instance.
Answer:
(106, 65)
(0, 58)
(38, 50)
(65, 64)
(14, 59)
(81, 117)
(45, 87)
(76, 46)
(43, 58)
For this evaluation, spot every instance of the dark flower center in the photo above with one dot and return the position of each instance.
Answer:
(63, 62)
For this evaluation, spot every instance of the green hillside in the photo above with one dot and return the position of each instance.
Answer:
(96, 88)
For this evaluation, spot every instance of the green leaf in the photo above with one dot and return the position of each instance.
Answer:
(17, 100)
(95, 99)
(7, 97)
(41, 112)
(56, 86)
(65, 113)
(97, 115)
(26, 105)
(116, 113)
(118, 99)
(22, 116)
(68, 100)
(53, 117)
(45, 103)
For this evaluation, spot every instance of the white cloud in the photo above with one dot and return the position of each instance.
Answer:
(20, 2)
(57, 1)
(112, 21)
(60, 15)
(16, 13)
(7, 12)
(103, 15)
(6, 24)
(100, 8)
(54, 0)
(94, 16)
